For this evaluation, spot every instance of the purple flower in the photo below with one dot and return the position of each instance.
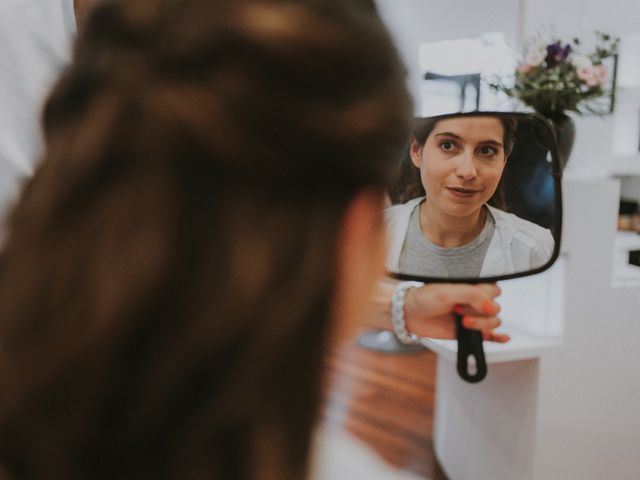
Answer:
(556, 54)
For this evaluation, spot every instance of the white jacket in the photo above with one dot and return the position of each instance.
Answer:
(517, 244)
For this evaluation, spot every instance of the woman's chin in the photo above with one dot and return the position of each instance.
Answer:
(462, 211)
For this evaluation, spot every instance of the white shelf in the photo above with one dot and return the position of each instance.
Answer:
(623, 274)
(626, 166)
(626, 241)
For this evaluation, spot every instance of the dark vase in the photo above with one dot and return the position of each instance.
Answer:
(565, 131)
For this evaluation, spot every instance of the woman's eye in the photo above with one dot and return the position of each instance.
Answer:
(487, 151)
(447, 146)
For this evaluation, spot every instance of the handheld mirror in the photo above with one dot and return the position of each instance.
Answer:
(477, 199)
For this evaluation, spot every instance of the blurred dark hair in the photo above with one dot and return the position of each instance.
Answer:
(167, 275)
(408, 184)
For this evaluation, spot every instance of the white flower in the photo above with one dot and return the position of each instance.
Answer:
(581, 61)
(535, 57)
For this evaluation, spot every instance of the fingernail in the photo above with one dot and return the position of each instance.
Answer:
(468, 321)
(489, 307)
(458, 309)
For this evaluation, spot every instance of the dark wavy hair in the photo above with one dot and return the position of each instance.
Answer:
(408, 183)
(167, 275)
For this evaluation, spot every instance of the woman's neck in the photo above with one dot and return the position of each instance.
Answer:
(448, 231)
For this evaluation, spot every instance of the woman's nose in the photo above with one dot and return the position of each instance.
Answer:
(466, 167)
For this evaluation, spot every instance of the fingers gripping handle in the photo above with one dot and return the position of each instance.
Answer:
(471, 364)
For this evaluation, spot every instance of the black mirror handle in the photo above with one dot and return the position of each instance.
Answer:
(471, 364)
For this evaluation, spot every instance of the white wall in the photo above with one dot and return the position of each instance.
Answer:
(35, 41)
(582, 17)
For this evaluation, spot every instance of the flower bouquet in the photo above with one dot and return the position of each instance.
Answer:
(555, 77)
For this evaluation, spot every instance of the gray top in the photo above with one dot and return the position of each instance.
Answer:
(420, 256)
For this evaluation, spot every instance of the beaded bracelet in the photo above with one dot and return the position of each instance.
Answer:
(397, 312)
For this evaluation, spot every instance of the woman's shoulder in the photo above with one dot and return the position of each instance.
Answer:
(524, 231)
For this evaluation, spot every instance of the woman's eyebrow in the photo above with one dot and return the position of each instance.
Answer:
(458, 137)
(491, 142)
(448, 134)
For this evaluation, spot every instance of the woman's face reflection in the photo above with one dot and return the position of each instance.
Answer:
(461, 163)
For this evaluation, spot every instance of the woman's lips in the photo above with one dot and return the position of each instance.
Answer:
(461, 192)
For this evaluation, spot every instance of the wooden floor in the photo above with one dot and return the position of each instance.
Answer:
(386, 400)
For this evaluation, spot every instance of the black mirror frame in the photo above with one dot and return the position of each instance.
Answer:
(556, 169)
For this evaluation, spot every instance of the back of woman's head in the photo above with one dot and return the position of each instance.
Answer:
(167, 274)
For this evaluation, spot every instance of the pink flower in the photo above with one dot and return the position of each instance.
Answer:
(592, 81)
(601, 74)
(524, 68)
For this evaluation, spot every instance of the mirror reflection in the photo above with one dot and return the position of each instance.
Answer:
(475, 198)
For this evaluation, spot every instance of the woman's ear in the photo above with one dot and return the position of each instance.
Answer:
(415, 152)
(361, 253)
(80, 8)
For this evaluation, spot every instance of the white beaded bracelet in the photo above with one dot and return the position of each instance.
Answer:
(397, 312)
